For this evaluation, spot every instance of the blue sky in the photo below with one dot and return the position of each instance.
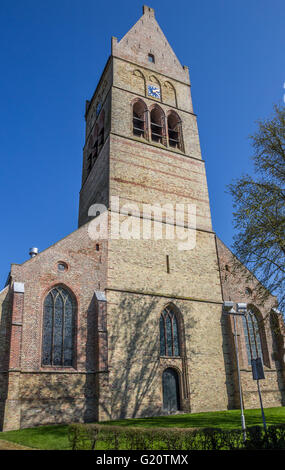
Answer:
(52, 54)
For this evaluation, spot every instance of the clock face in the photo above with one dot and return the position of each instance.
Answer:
(153, 90)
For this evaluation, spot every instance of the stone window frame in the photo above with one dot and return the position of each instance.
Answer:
(180, 384)
(170, 113)
(164, 116)
(179, 363)
(263, 339)
(75, 329)
(139, 101)
(163, 136)
(180, 331)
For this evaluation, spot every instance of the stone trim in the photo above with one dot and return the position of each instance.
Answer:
(151, 70)
(158, 294)
(163, 148)
(19, 287)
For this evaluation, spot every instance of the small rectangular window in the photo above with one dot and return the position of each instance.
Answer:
(167, 264)
(151, 58)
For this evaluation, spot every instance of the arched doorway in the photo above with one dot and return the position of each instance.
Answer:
(170, 390)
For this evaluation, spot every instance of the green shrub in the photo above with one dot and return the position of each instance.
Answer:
(273, 438)
(94, 436)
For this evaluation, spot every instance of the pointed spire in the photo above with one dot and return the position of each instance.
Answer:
(146, 45)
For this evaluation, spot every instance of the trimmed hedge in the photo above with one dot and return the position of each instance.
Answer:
(96, 436)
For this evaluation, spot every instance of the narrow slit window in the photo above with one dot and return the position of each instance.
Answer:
(167, 264)
(151, 58)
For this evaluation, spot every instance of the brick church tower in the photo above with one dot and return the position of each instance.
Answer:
(142, 145)
(130, 326)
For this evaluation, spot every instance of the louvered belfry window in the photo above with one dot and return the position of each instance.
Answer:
(169, 335)
(139, 124)
(58, 328)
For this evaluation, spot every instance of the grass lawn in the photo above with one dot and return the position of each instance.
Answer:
(55, 437)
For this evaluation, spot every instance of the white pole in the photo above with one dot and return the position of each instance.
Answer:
(239, 383)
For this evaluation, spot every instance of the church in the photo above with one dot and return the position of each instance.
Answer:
(97, 328)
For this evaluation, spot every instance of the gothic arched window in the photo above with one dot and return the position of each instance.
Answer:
(174, 130)
(58, 328)
(252, 335)
(169, 334)
(157, 125)
(139, 118)
(169, 94)
(138, 82)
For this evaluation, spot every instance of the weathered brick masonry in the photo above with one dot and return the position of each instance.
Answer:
(120, 287)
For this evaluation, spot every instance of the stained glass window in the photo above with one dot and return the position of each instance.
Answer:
(252, 337)
(169, 337)
(58, 328)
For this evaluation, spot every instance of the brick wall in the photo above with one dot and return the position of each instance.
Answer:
(46, 394)
(134, 357)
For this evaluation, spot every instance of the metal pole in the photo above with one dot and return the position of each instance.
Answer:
(261, 406)
(257, 354)
(239, 384)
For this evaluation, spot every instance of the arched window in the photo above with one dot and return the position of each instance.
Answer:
(169, 94)
(138, 82)
(139, 119)
(169, 335)
(174, 130)
(58, 328)
(252, 333)
(157, 125)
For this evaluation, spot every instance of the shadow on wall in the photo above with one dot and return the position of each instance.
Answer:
(91, 387)
(5, 335)
(229, 355)
(134, 356)
(278, 353)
